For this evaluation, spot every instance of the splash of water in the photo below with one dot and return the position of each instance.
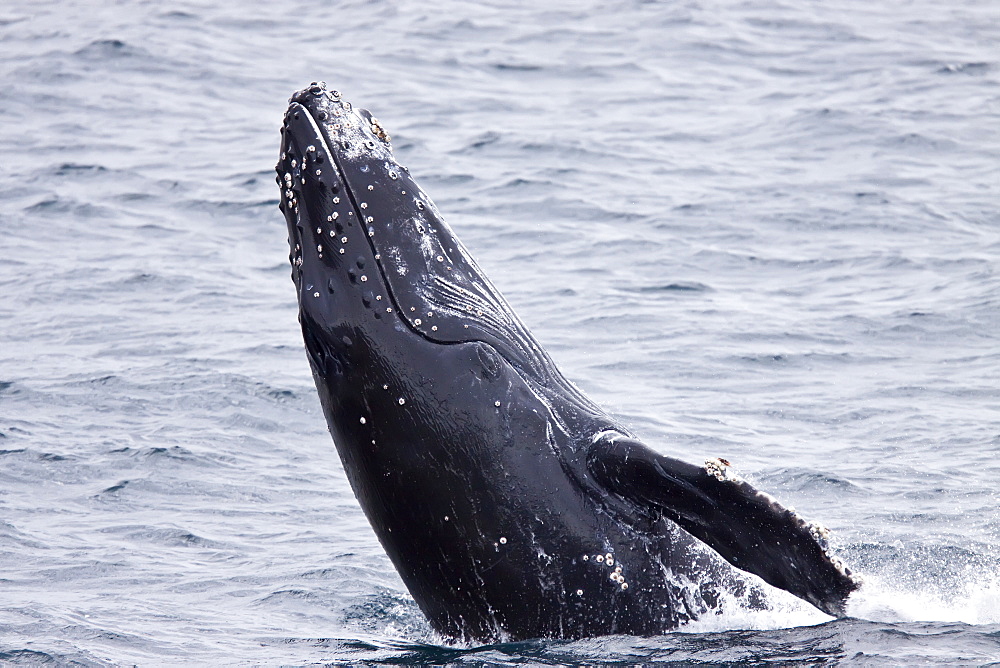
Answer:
(976, 600)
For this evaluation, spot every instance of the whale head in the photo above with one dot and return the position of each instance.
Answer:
(361, 231)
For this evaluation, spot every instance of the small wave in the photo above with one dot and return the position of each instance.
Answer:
(52, 205)
(73, 168)
(484, 139)
(33, 455)
(517, 67)
(117, 487)
(965, 68)
(30, 657)
(102, 49)
(167, 537)
(294, 594)
(793, 479)
(390, 613)
(677, 286)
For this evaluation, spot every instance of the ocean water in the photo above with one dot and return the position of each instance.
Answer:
(764, 231)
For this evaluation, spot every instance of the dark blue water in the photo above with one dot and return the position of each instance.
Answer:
(763, 231)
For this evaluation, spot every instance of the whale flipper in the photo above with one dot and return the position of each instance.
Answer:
(746, 527)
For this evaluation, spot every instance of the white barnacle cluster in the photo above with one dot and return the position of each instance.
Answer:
(608, 560)
(417, 322)
(821, 535)
(302, 167)
(721, 470)
(290, 197)
(355, 133)
(842, 567)
(378, 131)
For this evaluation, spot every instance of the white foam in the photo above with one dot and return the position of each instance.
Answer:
(784, 611)
(884, 599)
(881, 598)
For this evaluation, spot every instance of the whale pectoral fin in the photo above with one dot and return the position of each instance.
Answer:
(746, 527)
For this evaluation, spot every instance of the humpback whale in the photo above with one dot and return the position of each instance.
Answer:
(512, 506)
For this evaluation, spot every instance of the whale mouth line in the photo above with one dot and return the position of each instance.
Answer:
(322, 137)
(325, 146)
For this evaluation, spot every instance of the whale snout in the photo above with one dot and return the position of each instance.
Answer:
(355, 216)
(352, 132)
(331, 257)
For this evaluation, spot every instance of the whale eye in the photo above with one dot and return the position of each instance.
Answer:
(490, 361)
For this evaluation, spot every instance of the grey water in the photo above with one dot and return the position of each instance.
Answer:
(762, 231)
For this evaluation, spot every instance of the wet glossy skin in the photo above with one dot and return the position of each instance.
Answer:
(466, 447)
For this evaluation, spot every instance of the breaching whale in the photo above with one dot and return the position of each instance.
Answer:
(512, 506)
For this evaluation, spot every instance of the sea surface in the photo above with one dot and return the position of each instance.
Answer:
(766, 231)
